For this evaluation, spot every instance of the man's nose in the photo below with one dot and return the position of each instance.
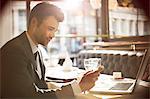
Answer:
(52, 34)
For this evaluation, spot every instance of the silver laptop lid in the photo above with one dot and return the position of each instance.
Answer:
(142, 67)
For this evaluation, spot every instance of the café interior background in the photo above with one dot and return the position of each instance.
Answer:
(79, 26)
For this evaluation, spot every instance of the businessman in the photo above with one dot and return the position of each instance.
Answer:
(22, 71)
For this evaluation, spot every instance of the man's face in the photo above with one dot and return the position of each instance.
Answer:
(45, 31)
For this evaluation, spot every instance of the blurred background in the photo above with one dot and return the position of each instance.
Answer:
(86, 22)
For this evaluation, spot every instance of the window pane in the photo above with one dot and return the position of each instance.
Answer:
(126, 20)
(19, 17)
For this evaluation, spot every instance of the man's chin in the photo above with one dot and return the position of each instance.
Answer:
(44, 44)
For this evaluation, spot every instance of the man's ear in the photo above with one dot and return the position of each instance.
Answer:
(33, 23)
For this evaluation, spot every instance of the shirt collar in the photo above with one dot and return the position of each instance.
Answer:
(34, 47)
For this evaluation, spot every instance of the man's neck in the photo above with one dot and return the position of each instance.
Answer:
(32, 44)
(31, 37)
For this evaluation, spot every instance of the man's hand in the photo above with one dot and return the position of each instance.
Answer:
(89, 78)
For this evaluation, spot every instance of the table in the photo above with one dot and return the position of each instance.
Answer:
(60, 73)
(140, 91)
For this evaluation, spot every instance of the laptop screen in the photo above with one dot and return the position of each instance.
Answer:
(143, 67)
(146, 75)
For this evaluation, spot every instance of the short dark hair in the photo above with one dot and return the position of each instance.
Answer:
(43, 10)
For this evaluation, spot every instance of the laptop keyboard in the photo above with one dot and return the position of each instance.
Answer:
(121, 86)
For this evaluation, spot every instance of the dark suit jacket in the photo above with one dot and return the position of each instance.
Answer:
(18, 77)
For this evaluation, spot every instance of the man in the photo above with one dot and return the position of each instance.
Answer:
(22, 74)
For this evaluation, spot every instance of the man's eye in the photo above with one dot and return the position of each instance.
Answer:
(51, 29)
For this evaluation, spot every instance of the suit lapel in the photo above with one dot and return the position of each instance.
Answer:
(28, 50)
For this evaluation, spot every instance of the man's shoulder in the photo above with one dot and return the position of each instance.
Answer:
(14, 43)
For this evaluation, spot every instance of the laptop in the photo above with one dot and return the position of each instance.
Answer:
(108, 85)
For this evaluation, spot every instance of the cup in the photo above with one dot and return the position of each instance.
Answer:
(92, 63)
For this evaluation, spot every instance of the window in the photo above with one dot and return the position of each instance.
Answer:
(19, 17)
(22, 20)
(125, 19)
